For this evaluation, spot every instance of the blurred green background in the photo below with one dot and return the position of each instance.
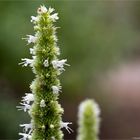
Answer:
(100, 39)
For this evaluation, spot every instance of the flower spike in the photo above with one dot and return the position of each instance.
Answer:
(42, 103)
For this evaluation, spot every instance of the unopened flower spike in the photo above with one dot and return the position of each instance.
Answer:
(42, 103)
(89, 120)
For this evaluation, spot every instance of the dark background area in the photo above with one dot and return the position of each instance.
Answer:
(100, 39)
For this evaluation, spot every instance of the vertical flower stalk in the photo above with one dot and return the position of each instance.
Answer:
(88, 120)
(42, 103)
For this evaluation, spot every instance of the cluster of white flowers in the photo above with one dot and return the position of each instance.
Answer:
(26, 102)
(26, 106)
(43, 10)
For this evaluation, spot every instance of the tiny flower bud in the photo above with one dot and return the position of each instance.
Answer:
(42, 103)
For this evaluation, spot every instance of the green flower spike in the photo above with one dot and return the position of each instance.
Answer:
(42, 103)
(88, 120)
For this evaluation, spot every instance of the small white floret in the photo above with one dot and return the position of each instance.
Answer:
(50, 10)
(42, 9)
(65, 125)
(25, 136)
(54, 17)
(42, 103)
(26, 62)
(28, 98)
(56, 89)
(31, 39)
(26, 127)
(34, 19)
(46, 63)
(59, 64)
(24, 107)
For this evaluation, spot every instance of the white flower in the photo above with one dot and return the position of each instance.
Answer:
(50, 10)
(26, 62)
(54, 17)
(31, 39)
(28, 98)
(46, 63)
(24, 107)
(34, 19)
(42, 10)
(59, 64)
(25, 136)
(56, 89)
(65, 125)
(42, 103)
(27, 127)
